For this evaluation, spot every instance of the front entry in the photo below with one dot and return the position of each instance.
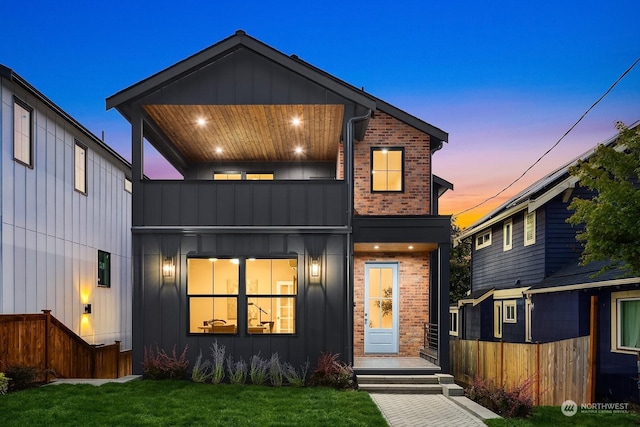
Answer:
(381, 308)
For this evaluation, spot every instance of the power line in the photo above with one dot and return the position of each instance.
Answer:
(554, 145)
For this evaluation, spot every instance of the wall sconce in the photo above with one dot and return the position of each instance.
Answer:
(315, 267)
(87, 309)
(168, 267)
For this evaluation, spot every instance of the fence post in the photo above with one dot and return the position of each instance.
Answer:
(47, 328)
(477, 373)
(537, 374)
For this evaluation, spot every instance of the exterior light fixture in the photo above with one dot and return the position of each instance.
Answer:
(315, 267)
(296, 121)
(168, 267)
(87, 309)
(201, 121)
(298, 150)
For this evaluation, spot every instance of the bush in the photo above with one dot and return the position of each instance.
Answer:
(517, 403)
(201, 370)
(275, 370)
(218, 351)
(258, 370)
(332, 372)
(161, 366)
(237, 371)
(4, 384)
(21, 376)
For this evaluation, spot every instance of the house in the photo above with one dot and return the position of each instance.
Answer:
(66, 218)
(306, 221)
(527, 285)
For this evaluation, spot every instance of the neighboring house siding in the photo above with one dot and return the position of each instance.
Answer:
(495, 268)
(560, 315)
(386, 131)
(51, 233)
(478, 321)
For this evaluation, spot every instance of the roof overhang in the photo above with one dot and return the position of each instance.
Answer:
(582, 286)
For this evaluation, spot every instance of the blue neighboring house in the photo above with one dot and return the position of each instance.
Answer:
(527, 284)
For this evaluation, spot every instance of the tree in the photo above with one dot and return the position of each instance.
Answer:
(611, 218)
(459, 267)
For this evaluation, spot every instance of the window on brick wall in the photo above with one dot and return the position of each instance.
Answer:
(387, 169)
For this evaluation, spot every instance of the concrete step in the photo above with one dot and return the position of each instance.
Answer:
(402, 388)
(397, 379)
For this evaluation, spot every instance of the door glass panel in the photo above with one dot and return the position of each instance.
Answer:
(380, 298)
(374, 283)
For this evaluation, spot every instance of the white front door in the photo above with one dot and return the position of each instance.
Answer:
(381, 308)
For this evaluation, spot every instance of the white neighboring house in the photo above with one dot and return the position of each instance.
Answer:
(66, 218)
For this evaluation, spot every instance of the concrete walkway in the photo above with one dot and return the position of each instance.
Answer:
(94, 381)
(413, 410)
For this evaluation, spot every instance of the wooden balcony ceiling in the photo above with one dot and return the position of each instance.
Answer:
(205, 133)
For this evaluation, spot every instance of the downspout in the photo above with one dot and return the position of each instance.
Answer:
(349, 176)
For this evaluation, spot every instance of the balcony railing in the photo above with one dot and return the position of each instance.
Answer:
(431, 336)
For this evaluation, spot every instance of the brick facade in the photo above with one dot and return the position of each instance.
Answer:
(413, 283)
(386, 131)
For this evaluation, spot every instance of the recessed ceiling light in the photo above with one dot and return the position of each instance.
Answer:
(201, 121)
(384, 151)
(213, 259)
(252, 259)
(218, 150)
(376, 247)
(296, 121)
(235, 261)
(410, 246)
(298, 150)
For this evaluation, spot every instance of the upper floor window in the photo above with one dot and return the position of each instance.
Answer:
(507, 235)
(237, 176)
(387, 169)
(530, 228)
(104, 269)
(483, 239)
(22, 132)
(259, 176)
(227, 176)
(80, 180)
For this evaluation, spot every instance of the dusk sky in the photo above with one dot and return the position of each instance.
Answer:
(505, 79)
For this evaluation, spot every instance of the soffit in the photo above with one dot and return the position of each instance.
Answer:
(251, 132)
(395, 247)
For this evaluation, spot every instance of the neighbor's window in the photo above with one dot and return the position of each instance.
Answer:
(497, 319)
(530, 228)
(22, 132)
(212, 291)
(483, 239)
(128, 185)
(625, 313)
(104, 269)
(507, 233)
(272, 288)
(528, 311)
(453, 321)
(387, 167)
(509, 308)
(80, 168)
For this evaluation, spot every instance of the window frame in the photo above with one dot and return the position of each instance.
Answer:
(507, 235)
(616, 329)
(402, 169)
(486, 242)
(528, 314)
(454, 316)
(506, 307)
(497, 319)
(530, 218)
(22, 104)
(107, 282)
(78, 145)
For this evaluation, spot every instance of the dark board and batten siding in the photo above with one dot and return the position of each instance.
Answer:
(244, 203)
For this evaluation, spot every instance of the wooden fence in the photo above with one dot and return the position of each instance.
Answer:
(556, 371)
(43, 342)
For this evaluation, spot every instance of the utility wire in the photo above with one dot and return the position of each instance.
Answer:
(554, 145)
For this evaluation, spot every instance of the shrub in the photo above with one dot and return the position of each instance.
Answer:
(516, 403)
(21, 376)
(201, 370)
(275, 370)
(258, 370)
(294, 377)
(218, 351)
(332, 372)
(161, 366)
(237, 371)
(4, 384)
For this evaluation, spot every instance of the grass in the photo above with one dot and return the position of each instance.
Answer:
(182, 403)
(551, 416)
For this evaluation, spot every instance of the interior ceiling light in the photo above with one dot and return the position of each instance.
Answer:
(296, 121)
(410, 246)
(298, 150)
(218, 150)
(201, 121)
(376, 247)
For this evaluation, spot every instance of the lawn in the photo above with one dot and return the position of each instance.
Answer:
(551, 416)
(182, 403)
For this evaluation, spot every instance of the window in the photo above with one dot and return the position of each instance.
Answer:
(259, 176)
(227, 176)
(507, 235)
(509, 308)
(387, 165)
(483, 239)
(238, 176)
(80, 168)
(530, 228)
(104, 269)
(625, 318)
(22, 132)
(497, 319)
(453, 321)
(128, 186)
(528, 313)
(214, 293)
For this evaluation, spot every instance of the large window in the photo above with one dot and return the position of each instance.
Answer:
(387, 166)
(104, 269)
(625, 321)
(80, 168)
(268, 295)
(530, 228)
(22, 132)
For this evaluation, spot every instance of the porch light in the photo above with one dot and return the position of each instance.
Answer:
(298, 150)
(201, 121)
(168, 267)
(296, 121)
(315, 267)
